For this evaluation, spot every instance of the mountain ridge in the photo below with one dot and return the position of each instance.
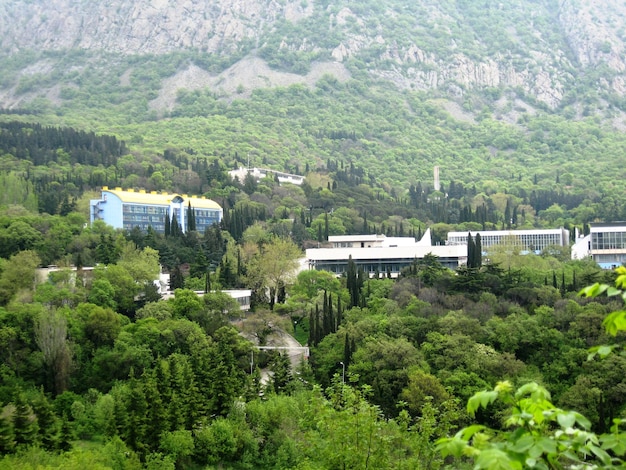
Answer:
(543, 50)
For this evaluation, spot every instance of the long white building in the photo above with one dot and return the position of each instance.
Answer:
(530, 241)
(377, 253)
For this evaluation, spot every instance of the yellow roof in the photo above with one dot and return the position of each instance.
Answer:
(160, 199)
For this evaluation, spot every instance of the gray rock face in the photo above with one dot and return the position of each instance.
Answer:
(584, 36)
(139, 27)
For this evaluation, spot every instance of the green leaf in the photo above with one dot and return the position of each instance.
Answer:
(604, 457)
(616, 443)
(479, 399)
(582, 421)
(547, 445)
(566, 420)
(605, 350)
(526, 389)
(522, 444)
(467, 433)
(614, 322)
(612, 291)
(451, 446)
(594, 290)
(495, 459)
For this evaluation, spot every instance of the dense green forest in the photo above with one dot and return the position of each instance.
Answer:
(98, 373)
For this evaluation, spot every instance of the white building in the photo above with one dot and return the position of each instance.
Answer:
(528, 241)
(376, 241)
(260, 173)
(605, 244)
(377, 253)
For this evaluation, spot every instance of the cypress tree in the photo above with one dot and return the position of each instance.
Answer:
(318, 333)
(177, 281)
(168, 224)
(331, 316)
(207, 282)
(471, 248)
(507, 214)
(311, 340)
(360, 282)
(347, 353)
(478, 251)
(352, 282)
(325, 316)
(190, 220)
(326, 227)
(174, 227)
(339, 312)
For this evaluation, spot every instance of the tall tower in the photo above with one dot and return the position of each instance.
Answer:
(437, 184)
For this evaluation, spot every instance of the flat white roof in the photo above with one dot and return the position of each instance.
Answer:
(355, 238)
(390, 252)
(607, 227)
(504, 233)
(383, 239)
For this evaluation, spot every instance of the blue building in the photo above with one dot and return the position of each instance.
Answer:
(129, 209)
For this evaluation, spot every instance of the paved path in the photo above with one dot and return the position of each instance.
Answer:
(281, 339)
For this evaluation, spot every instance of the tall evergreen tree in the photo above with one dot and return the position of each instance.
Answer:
(191, 218)
(7, 438)
(66, 435)
(47, 422)
(471, 249)
(347, 353)
(175, 230)
(282, 379)
(156, 415)
(352, 282)
(177, 281)
(24, 421)
(478, 251)
(168, 224)
(135, 432)
(326, 227)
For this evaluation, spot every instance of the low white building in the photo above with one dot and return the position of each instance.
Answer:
(380, 254)
(377, 241)
(260, 173)
(529, 241)
(605, 244)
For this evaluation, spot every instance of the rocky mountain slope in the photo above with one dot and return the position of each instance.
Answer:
(543, 51)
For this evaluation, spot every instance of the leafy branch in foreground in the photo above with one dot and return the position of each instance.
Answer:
(539, 435)
(615, 321)
(536, 434)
